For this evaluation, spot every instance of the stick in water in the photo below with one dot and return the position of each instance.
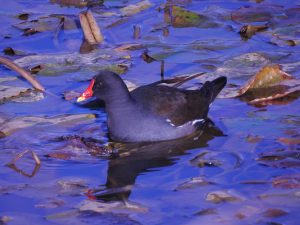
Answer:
(34, 82)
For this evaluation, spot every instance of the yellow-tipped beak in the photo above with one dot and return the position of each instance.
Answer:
(80, 99)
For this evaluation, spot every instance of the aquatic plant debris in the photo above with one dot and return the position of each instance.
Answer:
(251, 151)
(9, 125)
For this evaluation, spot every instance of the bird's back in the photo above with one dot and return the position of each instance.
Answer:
(178, 105)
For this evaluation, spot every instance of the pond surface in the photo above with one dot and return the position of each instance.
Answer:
(243, 170)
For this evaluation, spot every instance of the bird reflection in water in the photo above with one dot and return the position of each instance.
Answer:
(134, 159)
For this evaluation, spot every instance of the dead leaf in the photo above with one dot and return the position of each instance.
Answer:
(289, 141)
(268, 84)
(23, 16)
(77, 3)
(129, 47)
(221, 196)
(135, 8)
(61, 155)
(287, 181)
(274, 213)
(192, 183)
(147, 58)
(256, 13)
(248, 31)
(12, 52)
(179, 17)
(7, 126)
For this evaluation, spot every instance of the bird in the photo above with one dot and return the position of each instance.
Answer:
(152, 112)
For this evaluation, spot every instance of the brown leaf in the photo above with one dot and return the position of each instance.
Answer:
(180, 17)
(287, 181)
(135, 8)
(23, 16)
(289, 141)
(256, 13)
(129, 47)
(12, 52)
(147, 58)
(266, 77)
(248, 31)
(273, 213)
(77, 3)
(61, 155)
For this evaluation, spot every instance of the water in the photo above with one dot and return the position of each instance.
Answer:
(243, 158)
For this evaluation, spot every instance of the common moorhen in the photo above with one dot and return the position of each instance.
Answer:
(151, 112)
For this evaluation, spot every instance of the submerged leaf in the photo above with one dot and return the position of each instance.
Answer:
(287, 181)
(118, 206)
(179, 17)
(273, 213)
(248, 31)
(221, 196)
(9, 92)
(8, 126)
(256, 13)
(193, 182)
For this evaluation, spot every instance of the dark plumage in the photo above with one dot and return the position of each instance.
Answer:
(151, 112)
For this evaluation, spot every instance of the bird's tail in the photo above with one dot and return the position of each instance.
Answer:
(217, 85)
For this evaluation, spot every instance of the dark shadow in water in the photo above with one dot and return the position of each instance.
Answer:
(134, 159)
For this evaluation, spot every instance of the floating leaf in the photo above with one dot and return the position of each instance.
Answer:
(12, 52)
(5, 219)
(192, 183)
(289, 141)
(9, 92)
(72, 186)
(280, 159)
(29, 96)
(221, 196)
(54, 64)
(273, 213)
(23, 16)
(248, 31)
(268, 84)
(217, 159)
(135, 8)
(77, 3)
(257, 13)
(101, 207)
(179, 17)
(61, 155)
(208, 211)
(8, 126)
(287, 181)
(50, 204)
(129, 47)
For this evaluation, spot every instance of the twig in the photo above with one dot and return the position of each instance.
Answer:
(162, 69)
(36, 159)
(189, 78)
(58, 30)
(22, 72)
(136, 31)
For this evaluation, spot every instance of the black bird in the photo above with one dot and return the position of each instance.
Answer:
(151, 112)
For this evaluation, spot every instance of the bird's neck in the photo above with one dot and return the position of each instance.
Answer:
(120, 102)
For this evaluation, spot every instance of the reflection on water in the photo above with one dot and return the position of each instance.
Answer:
(135, 159)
